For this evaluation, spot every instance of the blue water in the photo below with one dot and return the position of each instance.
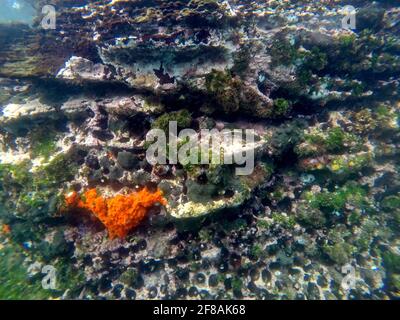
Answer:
(16, 11)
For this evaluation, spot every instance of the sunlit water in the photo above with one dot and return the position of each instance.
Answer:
(16, 11)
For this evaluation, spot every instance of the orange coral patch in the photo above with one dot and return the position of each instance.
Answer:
(6, 229)
(119, 214)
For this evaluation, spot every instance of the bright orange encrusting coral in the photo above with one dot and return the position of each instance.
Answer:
(119, 214)
(6, 229)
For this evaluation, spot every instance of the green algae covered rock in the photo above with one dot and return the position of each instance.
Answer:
(76, 105)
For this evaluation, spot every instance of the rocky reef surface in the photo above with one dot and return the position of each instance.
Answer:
(77, 102)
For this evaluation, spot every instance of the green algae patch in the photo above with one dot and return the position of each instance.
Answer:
(30, 197)
(334, 140)
(281, 107)
(17, 282)
(43, 144)
(14, 281)
(340, 252)
(391, 203)
(182, 117)
(336, 200)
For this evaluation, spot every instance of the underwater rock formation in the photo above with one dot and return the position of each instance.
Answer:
(77, 102)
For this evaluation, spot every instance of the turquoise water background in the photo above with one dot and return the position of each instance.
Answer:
(16, 11)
